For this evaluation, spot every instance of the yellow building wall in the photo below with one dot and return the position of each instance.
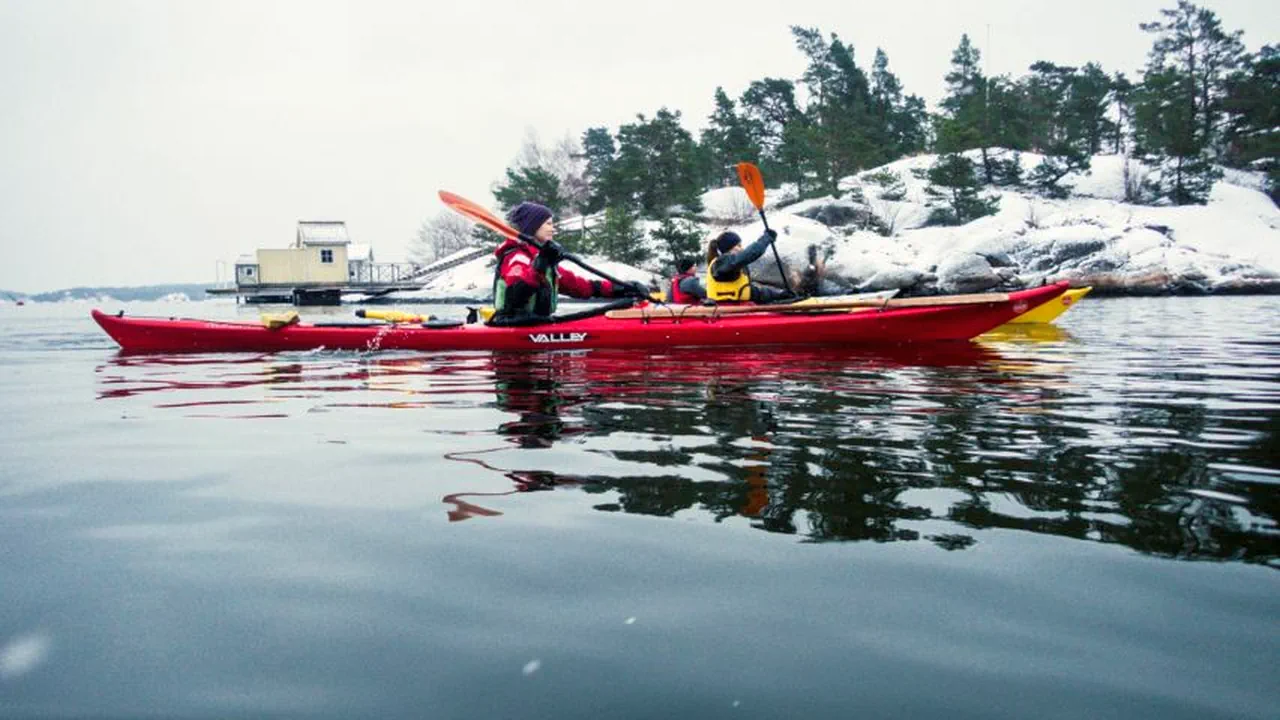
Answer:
(302, 265)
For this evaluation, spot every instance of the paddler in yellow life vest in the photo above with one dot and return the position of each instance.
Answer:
(727, 278)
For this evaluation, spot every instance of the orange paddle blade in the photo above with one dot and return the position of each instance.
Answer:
(465, 207)
(752, 182)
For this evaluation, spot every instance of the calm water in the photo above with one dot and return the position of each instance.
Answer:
(1072, 523)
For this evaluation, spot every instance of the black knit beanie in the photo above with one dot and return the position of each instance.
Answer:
(727, 241)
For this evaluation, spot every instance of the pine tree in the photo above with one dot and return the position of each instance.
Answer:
(680, 236)
(1045, 89)
(964, 124)
(1191, 40)
(600, 151)
(530, 183)
(727, 140)
(618, 238)
(777, 127)
(952, 178)
(1179, 109)
(658, 165)
(1171, 129)
(1066, 159)
(898, 121)
(1085, 111)
(1008, 124)
(839, 113)
(1065, 110)
(1252, 105)
(1122, 89)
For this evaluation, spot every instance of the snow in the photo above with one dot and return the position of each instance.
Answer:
(472, 280)
(727, 204)
(1091, 237)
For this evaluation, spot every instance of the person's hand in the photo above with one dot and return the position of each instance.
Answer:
(634, 289)
(550, 253)
(773, 234)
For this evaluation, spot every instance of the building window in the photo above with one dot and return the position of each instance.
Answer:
(326, 256)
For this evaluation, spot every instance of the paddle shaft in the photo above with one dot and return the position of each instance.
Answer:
(781, 270)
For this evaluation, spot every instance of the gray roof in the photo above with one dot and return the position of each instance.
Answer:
(322, 232)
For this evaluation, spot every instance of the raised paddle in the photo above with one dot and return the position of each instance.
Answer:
(465, 207)
(753, 182)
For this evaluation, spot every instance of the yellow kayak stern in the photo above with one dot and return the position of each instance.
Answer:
(1049, 311)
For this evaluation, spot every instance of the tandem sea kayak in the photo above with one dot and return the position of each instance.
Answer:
(877, 322)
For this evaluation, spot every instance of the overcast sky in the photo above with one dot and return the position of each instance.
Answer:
(143, 142)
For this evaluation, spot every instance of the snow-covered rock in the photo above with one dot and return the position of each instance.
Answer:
(966, 272)
(1092, 237)
(728, 205)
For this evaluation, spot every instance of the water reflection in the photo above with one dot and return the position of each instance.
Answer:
(1018, 432)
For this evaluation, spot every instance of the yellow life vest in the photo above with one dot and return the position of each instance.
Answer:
(736, 290)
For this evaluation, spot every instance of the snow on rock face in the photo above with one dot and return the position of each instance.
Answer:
(1093, 237)
(897, 277)
(727, 205)
(795, 236)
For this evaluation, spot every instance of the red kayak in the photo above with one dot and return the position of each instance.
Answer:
(960, 317)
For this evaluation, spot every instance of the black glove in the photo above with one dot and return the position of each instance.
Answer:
(773, 234)
(549, 255)
(633, 289)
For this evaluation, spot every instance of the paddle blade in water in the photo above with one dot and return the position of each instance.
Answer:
(465, 207)
(752, 182)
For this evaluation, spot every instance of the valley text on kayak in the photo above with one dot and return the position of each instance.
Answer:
(568, 337)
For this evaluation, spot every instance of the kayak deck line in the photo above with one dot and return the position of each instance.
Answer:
(892, 322)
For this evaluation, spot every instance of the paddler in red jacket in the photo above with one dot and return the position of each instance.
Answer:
(528, 279)
(685, 288)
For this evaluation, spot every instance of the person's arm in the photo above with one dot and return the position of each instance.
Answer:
(693, 286)
(726, 267)
(580, 287)
(521, 279)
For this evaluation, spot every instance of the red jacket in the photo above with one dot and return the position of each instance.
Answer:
(679, 296)
(515, 265)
